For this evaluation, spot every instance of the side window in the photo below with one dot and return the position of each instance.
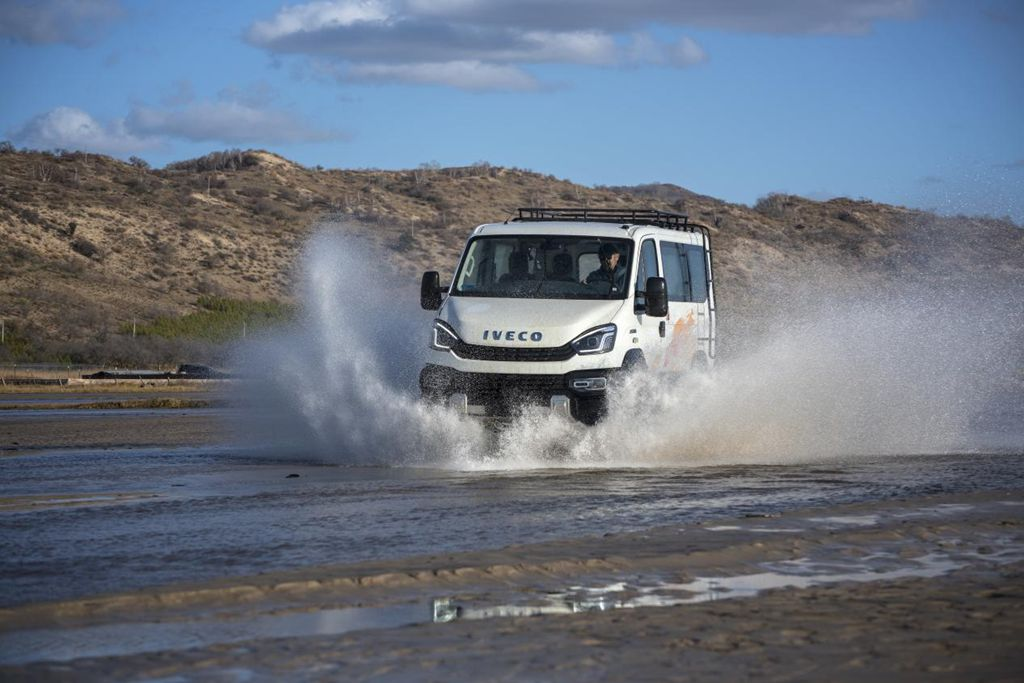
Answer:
(677, 274)
(647, 267)
(587, 263)
(698, 273)
(469, 279)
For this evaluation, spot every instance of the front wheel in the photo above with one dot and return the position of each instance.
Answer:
(634, 361)
(433, 384)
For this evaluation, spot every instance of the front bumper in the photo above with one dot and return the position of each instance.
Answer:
(504, 395)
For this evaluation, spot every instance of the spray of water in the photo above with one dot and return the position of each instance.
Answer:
(837, 377)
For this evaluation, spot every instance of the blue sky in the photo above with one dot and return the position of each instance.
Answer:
(913, 102)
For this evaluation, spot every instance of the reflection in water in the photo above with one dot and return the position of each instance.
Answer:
(800, 573)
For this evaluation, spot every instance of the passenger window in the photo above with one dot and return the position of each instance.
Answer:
(676, 272)
(502, 252)
(696, 260)
(646, 267)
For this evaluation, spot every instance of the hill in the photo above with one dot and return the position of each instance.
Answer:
(93, 246)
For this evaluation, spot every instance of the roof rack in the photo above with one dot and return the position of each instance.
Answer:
(661, 219)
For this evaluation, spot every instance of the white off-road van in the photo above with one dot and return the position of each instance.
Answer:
(550, 306)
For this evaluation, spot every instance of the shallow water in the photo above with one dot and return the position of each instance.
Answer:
(881, 560)
(156, 516)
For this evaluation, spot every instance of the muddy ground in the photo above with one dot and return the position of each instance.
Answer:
(929, 588)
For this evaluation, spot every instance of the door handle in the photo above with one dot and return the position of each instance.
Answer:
(661, 328)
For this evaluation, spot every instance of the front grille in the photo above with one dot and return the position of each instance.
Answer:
(501, 393)
(513, 353)
(505, 394)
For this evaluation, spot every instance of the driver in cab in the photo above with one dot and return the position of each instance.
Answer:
(611, 271)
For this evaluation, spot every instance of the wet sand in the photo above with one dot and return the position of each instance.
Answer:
(923, 588)
(916, 588)
(38, 419)
(48, 429)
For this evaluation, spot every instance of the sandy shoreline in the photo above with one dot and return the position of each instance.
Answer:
(125, 415)
(928, 587)
(119, 428)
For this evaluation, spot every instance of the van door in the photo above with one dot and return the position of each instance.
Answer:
(698, 261)
(684, 317)
(647, 332)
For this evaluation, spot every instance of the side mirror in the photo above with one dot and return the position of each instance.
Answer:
(430, 291)
(656, 297)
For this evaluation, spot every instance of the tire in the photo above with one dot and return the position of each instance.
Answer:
(433, 385)
(634, 361)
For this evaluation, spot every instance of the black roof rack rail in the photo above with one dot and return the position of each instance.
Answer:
(661, 219)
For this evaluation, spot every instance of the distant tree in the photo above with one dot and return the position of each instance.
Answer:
(43, 172)
(139, 163)
(6, 147)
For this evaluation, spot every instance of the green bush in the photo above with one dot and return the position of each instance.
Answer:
(218, 320)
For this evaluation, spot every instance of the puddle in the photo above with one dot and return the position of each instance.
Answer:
(849, 520)
(113, 640)
(802, 573)
(643, 591)
(941, 509)
(754, 529)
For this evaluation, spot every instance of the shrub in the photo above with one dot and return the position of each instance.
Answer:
(85, 247)
(218, 320)
(774, 205)
(228, 160)
(846, 216)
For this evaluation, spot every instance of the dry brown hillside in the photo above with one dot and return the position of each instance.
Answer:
(90, 243)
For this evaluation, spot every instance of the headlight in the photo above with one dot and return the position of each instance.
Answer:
(444, 337)
(598, 340)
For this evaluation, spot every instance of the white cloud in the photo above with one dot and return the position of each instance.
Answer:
(572, 47)
(144, 128)
(467, 75)
(401, 41)
(317, 16)
(777, 16)
(70, 128)
(644, 49)
(77, 22)
(687, 53)
(224, 121)
(482, 44)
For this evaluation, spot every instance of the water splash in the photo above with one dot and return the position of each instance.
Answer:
(845, 376)
(339, 386)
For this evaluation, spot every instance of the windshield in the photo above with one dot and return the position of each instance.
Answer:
(545, 267)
